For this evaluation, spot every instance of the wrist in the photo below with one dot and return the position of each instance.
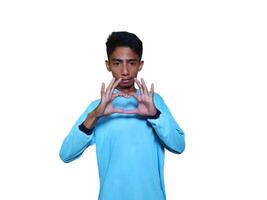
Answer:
(86, 130)
(156, 115)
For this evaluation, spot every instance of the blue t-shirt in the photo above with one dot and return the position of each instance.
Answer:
(129, 149)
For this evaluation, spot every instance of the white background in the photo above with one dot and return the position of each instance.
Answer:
(207, 59)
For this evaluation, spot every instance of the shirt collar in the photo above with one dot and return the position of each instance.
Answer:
(137, 91)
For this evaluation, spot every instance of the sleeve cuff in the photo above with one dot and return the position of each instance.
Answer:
(84, 129)
(156, 116)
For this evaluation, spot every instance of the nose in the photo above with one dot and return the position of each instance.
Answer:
(125, 70)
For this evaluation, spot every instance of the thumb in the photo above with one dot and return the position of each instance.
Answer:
(134, 111)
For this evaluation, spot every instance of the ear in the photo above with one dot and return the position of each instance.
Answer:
(141, 65)
(107, 65)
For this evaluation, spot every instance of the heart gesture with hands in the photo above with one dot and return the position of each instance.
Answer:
(145, 106)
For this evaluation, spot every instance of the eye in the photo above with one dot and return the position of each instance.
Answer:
(116, 63)
(133, 63)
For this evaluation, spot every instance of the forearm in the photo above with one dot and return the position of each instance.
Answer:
(88, 124)
(169, 132)
(74, 144)
(166, 127)
(77, 140)
(90, 120)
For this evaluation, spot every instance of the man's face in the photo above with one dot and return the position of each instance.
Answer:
(124, 63)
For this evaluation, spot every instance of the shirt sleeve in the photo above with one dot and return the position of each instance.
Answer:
(77, 140)
(167, 129)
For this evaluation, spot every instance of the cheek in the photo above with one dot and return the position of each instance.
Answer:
(115, 70)
(134, 71)
(115, 74)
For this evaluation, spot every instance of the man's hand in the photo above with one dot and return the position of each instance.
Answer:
(146, 106)
(105, 107)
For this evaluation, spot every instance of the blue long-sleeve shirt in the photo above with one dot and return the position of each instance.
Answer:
(129, 148)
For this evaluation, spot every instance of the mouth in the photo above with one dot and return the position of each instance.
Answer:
(125, 81)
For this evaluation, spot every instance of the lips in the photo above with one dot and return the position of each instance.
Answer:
(125, 80)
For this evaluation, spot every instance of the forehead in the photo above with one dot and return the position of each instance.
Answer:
(123, 53)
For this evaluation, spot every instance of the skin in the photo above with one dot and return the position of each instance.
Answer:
(124, 64)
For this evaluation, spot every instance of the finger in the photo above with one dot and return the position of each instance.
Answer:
(116, 110)
(134, 111)
(115, 85)
(110, 84)
(102, 90)
(144, 86)
(152, 90)
(139, 85)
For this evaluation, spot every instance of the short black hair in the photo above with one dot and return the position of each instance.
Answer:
(124, 39)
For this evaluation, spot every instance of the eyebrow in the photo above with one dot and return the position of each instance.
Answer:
(120, 60)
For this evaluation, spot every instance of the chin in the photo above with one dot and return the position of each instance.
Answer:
(126, 85)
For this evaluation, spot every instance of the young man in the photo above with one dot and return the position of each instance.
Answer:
(130, 128)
